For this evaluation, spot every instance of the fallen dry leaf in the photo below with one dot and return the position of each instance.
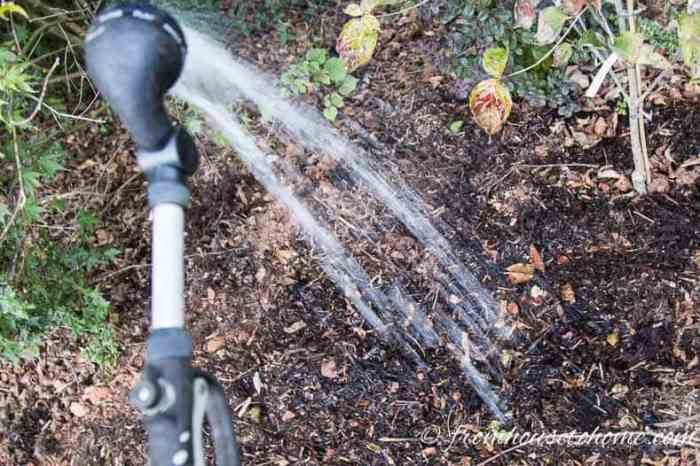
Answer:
(295, 327)
(697, 258)
(96, 395)
(623, 184)
(215, 344)
(329, 369)
(78, 409)
(520, 273)
(512, 309)
(567, 293)
(613, 338)
(659, 184)
(536, 259)
(288, 416)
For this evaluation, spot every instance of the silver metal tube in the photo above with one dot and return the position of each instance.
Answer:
(168, 274)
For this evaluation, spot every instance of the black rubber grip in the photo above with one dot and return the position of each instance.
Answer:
(135, 53)
(170, 430)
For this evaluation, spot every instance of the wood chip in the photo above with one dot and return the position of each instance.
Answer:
(329, 369)
(295, 327)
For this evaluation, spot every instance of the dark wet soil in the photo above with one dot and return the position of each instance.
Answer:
(607, 336)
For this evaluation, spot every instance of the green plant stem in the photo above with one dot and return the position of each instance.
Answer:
(550, 51)
(41, 98)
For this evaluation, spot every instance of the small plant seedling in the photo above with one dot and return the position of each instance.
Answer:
(456, 126)
(318, 72)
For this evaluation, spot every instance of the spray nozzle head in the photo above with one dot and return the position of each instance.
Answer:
(135, 54)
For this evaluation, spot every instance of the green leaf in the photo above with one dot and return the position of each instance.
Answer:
(330, 113)
(562, 55)
(495, 60)
(628, 46)
(316, 55)
(11, 7)
(337, 100)
(549, 25)
(335, 69)
(322, 77)
(592, 39)
(348, 86)
(456, 126)
(353, 10)
(6, 56)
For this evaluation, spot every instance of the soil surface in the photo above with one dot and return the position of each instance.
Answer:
(607, 331)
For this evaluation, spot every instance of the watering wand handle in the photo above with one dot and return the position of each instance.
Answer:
(135, 54)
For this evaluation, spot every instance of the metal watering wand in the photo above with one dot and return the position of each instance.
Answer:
(135, 53)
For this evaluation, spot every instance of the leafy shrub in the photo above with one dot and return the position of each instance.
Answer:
(44, 275)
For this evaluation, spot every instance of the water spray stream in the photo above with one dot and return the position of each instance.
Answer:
(214, 81)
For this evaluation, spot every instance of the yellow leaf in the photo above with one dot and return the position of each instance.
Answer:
(520, 273)
(613, 339)
(357, 41)
(490, 103)
(368, 5)
(353, 10)
(12, 7)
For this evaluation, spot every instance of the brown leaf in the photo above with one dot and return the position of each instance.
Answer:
(211, 295)
(215, 344)
(567, 293)
(512, 309)
(659, 184)
(96, 395)
(78, 409)
(623, 184)
(697, 258)
(288, 416)
(536, 259)
(600, 126)
(520, 273)
(329, 369)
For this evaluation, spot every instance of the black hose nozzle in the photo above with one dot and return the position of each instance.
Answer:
(135, 54)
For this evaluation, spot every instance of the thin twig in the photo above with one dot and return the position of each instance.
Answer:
(41, 98)
(551, 51)
(22, 198)
(66, 115)
(418, 5)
